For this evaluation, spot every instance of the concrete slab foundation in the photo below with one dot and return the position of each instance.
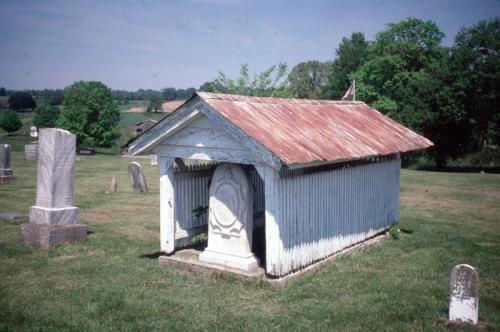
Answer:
(48, 236)
(187, 260)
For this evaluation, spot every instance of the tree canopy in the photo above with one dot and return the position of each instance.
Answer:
(309, 79)
(46, 116)
(90, 111)
(21, 100)
(10, 121)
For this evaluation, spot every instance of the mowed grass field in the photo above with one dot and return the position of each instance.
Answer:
(112, 281)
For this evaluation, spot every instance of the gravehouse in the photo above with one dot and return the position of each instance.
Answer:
(287, 182)
(54, 219)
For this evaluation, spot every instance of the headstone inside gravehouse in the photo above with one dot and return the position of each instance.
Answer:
(464, 295)
(230, 220)
(54, 219)
(112, 186)
(6, 172)
(137, 178)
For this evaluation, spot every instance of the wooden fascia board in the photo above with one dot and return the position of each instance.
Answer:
(152, 137)
(261, 151)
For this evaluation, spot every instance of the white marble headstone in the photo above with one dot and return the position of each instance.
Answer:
(55, 179)
(230, 219)
(464, 294)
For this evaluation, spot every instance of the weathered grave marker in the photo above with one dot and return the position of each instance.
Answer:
(54, 219)
(464, 295)
(137, 178)
(112, 186)
(33, 132)
(230, 219)
(31, 151)
(6, 172)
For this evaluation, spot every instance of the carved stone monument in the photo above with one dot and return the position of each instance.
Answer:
(230, 220)
(54, 219)
(137, 178)
(464, 295)
(6, 172)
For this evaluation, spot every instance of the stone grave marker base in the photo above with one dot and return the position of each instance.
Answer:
(54, 216)
(48, 236)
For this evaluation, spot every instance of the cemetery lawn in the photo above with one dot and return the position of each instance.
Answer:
(112, 280)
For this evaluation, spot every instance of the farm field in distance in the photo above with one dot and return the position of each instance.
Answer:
(112, 280)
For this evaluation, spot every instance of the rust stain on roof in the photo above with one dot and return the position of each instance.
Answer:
(301, 131)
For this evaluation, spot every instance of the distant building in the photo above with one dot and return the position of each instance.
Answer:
(142, 126)
(171, 106)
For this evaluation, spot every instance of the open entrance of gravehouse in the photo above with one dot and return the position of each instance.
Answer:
(220, 209)
(276, 184)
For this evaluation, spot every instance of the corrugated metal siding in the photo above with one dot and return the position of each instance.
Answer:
(322, 213)
(191, 188)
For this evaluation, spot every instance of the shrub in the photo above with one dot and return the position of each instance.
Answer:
(394, 231)
(10, 121)
(46, 116)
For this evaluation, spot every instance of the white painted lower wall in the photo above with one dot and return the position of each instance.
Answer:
(322, 213)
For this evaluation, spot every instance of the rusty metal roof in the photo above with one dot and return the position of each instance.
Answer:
(301, 131)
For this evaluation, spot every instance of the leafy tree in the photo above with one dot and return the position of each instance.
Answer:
(351, 54)
(169, 94)
(155, 102)
(270, 82)
(309, 79)
(208, 87)
(408, 76)
(476, 57)
(46, 116)
(90, 111)
(10, 121)
(3, 92)
(21, 101)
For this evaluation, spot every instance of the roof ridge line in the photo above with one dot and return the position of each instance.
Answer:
(314, 102)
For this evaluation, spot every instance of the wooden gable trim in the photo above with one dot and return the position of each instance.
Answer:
(179, 119)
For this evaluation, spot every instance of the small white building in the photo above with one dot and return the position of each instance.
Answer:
(323, 175)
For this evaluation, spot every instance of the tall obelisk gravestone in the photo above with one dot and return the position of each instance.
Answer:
(54, 219)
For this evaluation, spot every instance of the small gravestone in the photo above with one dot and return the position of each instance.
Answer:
(230, 219)
(31, 151)
(54, 219)
(464, 295)
(6, 172)
(153, 160)
(137, 178)
(33, 132)
(112, 186)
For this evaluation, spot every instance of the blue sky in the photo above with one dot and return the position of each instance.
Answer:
(135, 44)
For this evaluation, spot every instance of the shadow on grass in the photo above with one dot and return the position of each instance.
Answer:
(152, 255)
(460, 169)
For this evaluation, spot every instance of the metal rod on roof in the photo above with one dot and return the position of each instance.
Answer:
(354, 90)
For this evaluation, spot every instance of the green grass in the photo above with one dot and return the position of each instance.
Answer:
(109, 282)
